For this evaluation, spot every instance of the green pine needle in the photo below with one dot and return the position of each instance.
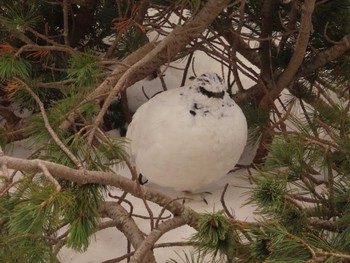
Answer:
(12, 66)
(84, 216)
(20, 16)
(215, 235)
(84, 68)
(195, 257)
(269, 194)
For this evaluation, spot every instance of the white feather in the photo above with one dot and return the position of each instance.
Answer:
(175, 148)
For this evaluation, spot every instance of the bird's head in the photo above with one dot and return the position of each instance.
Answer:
(210, 85)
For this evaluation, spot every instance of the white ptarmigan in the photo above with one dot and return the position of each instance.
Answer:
(187, 138)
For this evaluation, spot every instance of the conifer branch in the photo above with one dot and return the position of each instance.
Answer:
(105, 178)
(48, 176)
(298, 56)
(110, 81)
(127, 225)
(49, 128)
(332, 254)
(323, 57)
(155, 234)
(33, 47)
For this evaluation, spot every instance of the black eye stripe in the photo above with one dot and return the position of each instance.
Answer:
(210, 94)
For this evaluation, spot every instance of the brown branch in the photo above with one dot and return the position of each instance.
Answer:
(138, 185)
(127, 226)
(160, 245)
(290, 26)
(241, 46)
(49, 128)
(322, 58)
(37, 34)
(104, 178)
(102, 90)
(65, 9)
(298, 56)
(187, 66)
(155, 234)
(303, 243)
(332, 254)
(223, 203)
(34, 47)
(49, 177)
(268, 12)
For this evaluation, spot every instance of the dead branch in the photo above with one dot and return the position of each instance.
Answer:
(49, 128)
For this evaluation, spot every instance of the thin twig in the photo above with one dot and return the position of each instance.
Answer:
(48, 176)
(188, 63)
(32, 47)
(149, 210)
(164, 209)
(65, 9)
(49, 128)
(223, 203)
(154, 235)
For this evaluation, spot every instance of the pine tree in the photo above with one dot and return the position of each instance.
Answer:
(69, 62)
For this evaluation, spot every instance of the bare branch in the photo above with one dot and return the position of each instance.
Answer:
(49, 128)
(155, 234)
(298, 56)
(322, 58)
(126, 225)
(105, 178)
(65, 8)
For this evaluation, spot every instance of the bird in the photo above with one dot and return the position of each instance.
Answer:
(189, 137)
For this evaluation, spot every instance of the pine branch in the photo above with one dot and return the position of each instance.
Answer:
(105, 178)
(49, 128)
(34, 47)
(154, 235)
(127, 226)
(110, 81)
(298, 56)
(326, 56)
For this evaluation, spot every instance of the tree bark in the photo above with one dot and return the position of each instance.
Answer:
(268, 12)
(298, 56)
(128, 227)
(322, 58)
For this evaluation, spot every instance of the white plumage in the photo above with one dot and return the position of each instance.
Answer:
(187, 138)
